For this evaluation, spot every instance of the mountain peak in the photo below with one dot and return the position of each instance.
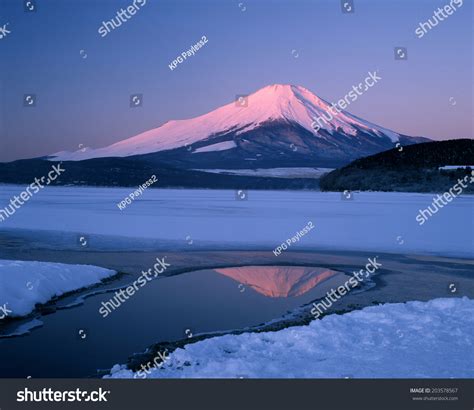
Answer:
(276, 88)
(290, 103)
(288, 91)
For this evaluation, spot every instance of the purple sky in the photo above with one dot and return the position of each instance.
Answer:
(86, 100)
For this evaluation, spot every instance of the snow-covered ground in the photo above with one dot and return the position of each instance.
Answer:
(24, 284)
(451, 167)
(432, 339)
(371, 221)
(273, 172)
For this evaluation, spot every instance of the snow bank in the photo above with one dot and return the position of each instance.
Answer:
(402, 340)
(24, 284)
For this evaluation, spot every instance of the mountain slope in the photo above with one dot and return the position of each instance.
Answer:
(274, 121)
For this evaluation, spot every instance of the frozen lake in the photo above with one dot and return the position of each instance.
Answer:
(216, 290)
(192, 219)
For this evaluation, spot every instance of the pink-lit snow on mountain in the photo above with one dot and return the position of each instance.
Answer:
(275, 102)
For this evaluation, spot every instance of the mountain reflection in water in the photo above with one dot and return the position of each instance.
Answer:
(279, 281)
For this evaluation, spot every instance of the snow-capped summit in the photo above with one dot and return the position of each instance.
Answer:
(252, 119)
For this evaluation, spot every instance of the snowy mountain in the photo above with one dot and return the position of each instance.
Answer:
(273, 126)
